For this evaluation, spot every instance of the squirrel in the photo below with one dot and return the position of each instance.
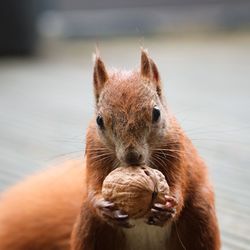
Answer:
(132, 126)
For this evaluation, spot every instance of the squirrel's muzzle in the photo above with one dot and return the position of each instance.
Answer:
(133, 157)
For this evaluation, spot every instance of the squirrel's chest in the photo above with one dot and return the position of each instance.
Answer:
(146, 237)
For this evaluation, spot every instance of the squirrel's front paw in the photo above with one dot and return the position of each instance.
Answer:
(111, 215)
(161, 213)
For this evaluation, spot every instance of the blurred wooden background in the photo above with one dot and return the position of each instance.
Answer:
(46, 102)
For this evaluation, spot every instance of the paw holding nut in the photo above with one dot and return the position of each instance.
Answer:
(139, 192)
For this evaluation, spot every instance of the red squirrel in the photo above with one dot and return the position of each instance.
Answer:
(63, 208)
(133, 126)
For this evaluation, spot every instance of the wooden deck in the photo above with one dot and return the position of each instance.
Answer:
(45, 105)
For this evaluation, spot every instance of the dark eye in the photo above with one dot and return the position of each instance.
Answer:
(156, 113)
(99, 121)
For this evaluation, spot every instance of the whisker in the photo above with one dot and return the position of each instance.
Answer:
(179, 236)
(94, 156)
(100, 157)
(117, 163)
(161, 161)
(169, 150)
(164, 154)
(97, 149)
(156, 167)
(104, 159)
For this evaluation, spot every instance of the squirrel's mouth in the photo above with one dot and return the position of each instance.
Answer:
(128, 162)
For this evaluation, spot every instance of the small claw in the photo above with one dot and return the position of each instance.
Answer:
(112, 215)
(160, 207)
(162, 215)
(108, 204)
(117, 218)
(121, 222)
(103, 204)
(157, 212)
(118, 215)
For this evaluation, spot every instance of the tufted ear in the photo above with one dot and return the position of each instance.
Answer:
(149, 71)
(100, 76)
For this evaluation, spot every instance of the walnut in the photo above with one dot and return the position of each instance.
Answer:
(134, 189)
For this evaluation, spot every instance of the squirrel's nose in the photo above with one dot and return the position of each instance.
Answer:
(133, 158)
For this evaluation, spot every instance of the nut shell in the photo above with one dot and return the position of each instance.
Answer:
(134, 189)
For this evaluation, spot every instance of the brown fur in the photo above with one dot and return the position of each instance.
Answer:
(40, 212)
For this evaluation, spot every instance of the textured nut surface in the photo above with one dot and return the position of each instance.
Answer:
(134, 189)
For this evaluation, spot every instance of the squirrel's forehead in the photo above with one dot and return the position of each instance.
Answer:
(124, 111)
(126, 102)
(127, 92)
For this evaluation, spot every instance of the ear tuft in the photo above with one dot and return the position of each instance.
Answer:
(145, 64)
(100, 76)
(149, 71)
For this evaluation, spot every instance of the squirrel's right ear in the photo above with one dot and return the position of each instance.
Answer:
(149, 71)
(100, 76)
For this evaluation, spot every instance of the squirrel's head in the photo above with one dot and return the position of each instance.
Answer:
(130, 114)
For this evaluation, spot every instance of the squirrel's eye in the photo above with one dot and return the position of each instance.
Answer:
(156, 114)
(99, 121)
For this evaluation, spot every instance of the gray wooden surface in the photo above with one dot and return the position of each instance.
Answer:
(46, 102)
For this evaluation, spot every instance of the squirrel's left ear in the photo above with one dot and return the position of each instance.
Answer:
(149, 71)
(100, 76)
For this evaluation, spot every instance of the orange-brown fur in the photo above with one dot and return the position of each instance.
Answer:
(34, 217)
(39, 212)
